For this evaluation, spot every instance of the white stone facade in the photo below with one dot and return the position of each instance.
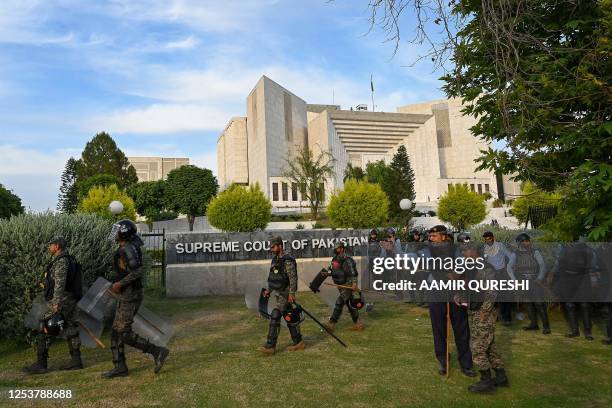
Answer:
(156, 168)
(436, 134)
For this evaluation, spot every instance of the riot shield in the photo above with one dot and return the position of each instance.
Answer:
(97, 301)
(36, 313)
(152, 327)
(90, 330)
(99, 304)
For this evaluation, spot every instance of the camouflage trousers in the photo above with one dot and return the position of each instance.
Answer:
(482, 339)
(125, 312)
(280, 299)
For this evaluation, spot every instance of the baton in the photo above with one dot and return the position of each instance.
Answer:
(93, 336)
(321, 325)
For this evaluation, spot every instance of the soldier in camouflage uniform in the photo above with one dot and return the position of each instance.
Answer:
(482, 316)
(343, 271)
(127, 287)
(282, 286)
(62, 295)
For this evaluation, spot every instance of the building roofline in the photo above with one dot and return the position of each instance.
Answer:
(379, 116)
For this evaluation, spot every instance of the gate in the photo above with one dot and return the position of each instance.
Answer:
(155, 247)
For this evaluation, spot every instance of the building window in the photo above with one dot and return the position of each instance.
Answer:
(294, 192)
(274, 191)
(472, 187)
(486, 188)
(479, 188)
(285, 191)
(321, 192)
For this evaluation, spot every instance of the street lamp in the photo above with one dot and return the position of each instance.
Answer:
(405, 204)
(115, 207)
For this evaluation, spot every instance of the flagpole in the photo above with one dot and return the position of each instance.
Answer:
(372, 88)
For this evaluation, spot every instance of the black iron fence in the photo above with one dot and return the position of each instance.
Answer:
(155, 244)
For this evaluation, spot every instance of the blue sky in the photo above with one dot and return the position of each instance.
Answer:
(163, 77)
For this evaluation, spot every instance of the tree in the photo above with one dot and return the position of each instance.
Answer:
(359, 205)
(398, 183)
(100, 180)
(240, 209)
(10, 204)
(461, 207)
(150, 199)
(536, 75)
(98, 199)
(310, 174)
(377, 171)
(353, 173)
(189, 189)
(531, 196)
(102, 156)
(67, 200)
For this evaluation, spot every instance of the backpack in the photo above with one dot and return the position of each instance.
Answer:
(74, 280)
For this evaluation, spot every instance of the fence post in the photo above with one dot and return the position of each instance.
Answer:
(163, 282)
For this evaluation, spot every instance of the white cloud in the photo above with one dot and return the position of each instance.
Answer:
(207, 160)
(184, 44)
(162, 118)
(33, 175)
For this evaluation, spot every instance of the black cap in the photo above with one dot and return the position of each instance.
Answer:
(487, 234)
(438, 228)
(276, 241)
(339, 244)
(58, 240)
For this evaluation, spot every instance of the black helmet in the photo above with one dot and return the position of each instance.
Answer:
(293, 315)
(123, 230)
(463, 237)
(54, 325)
(522, 237)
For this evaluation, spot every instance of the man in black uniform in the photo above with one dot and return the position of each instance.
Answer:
(440, 247)
(62, 290)
(282, 284)
(127, 287)
(343, 271)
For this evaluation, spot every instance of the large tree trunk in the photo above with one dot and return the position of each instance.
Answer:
(190, 220)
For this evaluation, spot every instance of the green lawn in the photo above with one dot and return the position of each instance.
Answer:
(214, 363)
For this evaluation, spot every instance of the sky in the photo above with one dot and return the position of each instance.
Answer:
(164, 77)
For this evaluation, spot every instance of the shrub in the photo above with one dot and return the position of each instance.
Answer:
(24, 257)
(498, 203)
(531, 197)
(359, 205)
(317, 225)
(240, 209)
(461, 207)
(299, 226)
(99, 197)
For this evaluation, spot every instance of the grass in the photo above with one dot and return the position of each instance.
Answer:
(391, 364)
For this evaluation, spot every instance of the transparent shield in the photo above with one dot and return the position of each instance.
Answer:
(152, 327)
(90, 330)
(36, 313)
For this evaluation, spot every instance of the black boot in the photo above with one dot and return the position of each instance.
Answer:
(501, 379)
(160, 354)
(117, 348)
(485, 385)
(42, 354)
(75, 362)
(273, 330)
(587, 321)
(543, 312)
(140, 343)
(533, 317)
(572, 320)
